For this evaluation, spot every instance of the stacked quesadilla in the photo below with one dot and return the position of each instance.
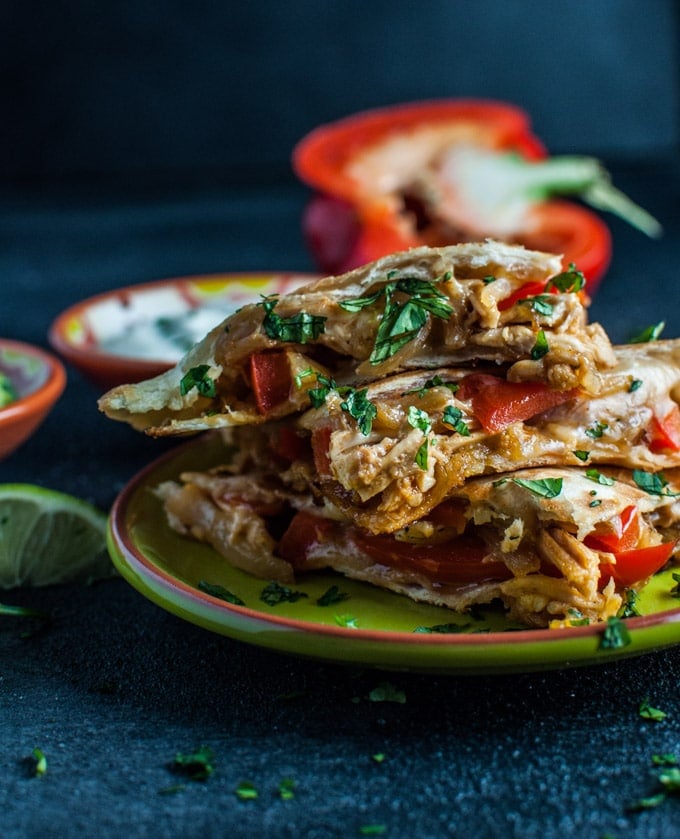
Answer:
(444, 423)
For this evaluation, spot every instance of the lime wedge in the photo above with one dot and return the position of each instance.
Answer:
(49, 537)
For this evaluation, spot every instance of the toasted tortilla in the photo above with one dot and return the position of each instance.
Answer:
(547, 572)
(325, 328)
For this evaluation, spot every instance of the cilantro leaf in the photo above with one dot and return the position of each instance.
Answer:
(545, 487)
(246, 791)
(331, 596)
(198, 765)
(571, 280)
(581, 454)
(540, 348)
(596, 431)
(418, 418)
(435, 381)
(422, 454)
(675, 590)
(274, 593)
(615, 635)
(286, 789)
(387, 692)
(599, 478)
(220, 592)
(540, 303)
(647, 712)
(198, 378)
(401, 320)
(296, 329)
(653, 483)
(651, 333)
(39, 762)
(452, 417)
(358, 405)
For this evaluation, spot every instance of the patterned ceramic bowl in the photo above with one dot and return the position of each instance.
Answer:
(31, 381)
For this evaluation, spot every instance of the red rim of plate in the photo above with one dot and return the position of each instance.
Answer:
(122, 538)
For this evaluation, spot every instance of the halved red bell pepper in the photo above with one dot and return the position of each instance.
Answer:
(360, 215)
(636, 565)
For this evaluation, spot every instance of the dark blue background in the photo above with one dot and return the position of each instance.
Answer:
(189, 87)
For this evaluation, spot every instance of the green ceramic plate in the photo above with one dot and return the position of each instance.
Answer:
(370, 626)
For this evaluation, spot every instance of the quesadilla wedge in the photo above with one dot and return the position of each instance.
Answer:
(428, 307)
(552, 544)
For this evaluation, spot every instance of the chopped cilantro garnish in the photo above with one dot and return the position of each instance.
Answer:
(545, 487)
(540, 303)
(331, 596)
(647, 712)
(372, 829)
(599, 478)
(596, 431)
(675, 590)
(296, 329)
(667, 759)
(422, 454)
(540, 348)
(581, 454)
(379, 757)
(358, 405)
(615, 635)
(39, 762)
(303, 374)
(452, 417)
(653, 483)
(246, 791)
(286, 789)
(221, 592)
(488, 279)
(274, 593)
(443, 629)
(198, 378)
(348, 621)
(635, 384)
(419, 419)
(570, 280)
(401, 320)
(629, 607)
(387, 692)
(196, 765)
(651, 333)
(8, 393)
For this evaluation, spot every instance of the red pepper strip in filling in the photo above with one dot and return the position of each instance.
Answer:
(270, 379)
(636, 565)
(305, 532)
(664, 434)
(527, 290)
(622, 533)
(497, 403)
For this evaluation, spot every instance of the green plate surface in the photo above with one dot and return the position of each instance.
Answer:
(370, 626)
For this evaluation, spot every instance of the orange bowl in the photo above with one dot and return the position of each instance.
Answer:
(138, 331)
(38, 379)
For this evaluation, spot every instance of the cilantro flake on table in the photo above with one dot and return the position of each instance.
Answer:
(287, 789)
(39, 762)
(373, 830)
(648, 712)
(387, 692)
(246, 791)
(197, 765)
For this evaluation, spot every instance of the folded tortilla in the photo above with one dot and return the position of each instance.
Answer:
(519, 544)
(423, 308)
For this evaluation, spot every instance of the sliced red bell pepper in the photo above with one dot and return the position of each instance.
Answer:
(457, 561)
(622, 534)
(351, 223)
(321, 438)
(270, 379)
(304, 532)
(497, 403)
(663, 434)
(636, 565)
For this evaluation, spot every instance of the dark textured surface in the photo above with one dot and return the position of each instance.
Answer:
(114, 687)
